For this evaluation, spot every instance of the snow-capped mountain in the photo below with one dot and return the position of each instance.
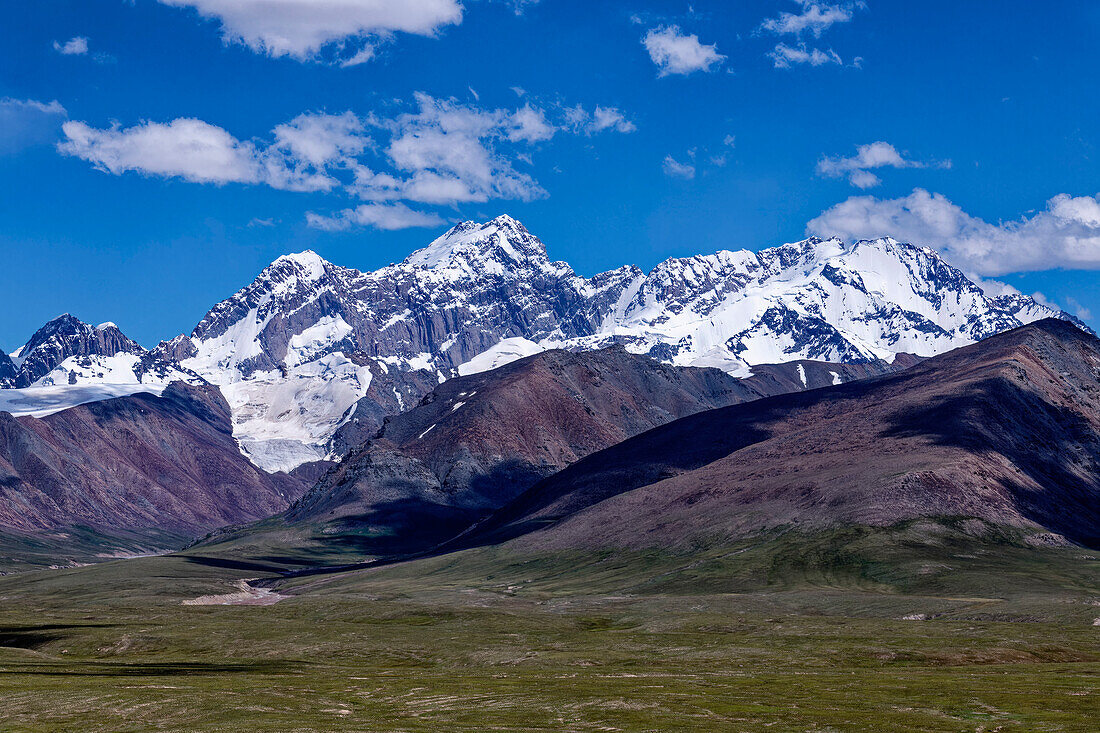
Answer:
(68, 351)
(302, 343)
(8, 371)
(68, 362)
(310, 346)
(815, 299)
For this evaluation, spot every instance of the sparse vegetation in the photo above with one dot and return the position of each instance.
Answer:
(489, 640)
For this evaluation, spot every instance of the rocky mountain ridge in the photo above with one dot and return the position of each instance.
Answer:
(309, 346)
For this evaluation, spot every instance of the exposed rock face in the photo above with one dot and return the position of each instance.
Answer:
(1006, 431)
(476, 442)
(308, 342)
(68, 351)
(8, 371)
(483, 294)
(67, 336)
(142, 463)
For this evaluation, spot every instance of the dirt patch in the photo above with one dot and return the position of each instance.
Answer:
(245, 595)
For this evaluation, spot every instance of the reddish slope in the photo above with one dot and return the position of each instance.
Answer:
(168, 464)
(477, 442)
(1007, 430)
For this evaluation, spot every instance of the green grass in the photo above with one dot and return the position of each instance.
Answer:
(758, 637)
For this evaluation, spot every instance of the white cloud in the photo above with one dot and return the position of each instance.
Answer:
(1065, 235)
(449, 150)
(387, 217)
(874, 155)
(27, 122)
(349, 30)
(1078, 310)
(675, 52)
(676, 169)
(73, 47)
(443, 152)
(600, 119)
(609, 118)
(185, 148)
(815, 17)
(530, 125)
(786, 57)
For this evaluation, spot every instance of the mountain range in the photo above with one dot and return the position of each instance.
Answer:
(1001, 434)
(310, 351)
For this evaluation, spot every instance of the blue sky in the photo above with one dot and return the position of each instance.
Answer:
(156, 154)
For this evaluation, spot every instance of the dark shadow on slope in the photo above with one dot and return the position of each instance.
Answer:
(35, 637)
(228, 564)
(645, 459)
(1052, 445)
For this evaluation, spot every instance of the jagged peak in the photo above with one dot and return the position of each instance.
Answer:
(309, 262)
(468, 238)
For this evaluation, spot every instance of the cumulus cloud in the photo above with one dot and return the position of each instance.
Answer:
(874, 155)
(675, 169)
(530, 125)
(28, 122)
(675, 52)
(185, 148)
(450, 152)
(1064, 235)
(387, 217)
(441, 152)
(73, 47)
(787, 57)
(346, 31)
(814, 17)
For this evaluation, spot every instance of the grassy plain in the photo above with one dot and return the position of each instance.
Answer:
(831, 633)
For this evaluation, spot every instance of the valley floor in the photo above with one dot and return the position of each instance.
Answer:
(444, 644)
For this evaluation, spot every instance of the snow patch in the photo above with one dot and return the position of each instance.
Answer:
(504, 352)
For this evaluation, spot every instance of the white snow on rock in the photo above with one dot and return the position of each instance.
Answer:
(119, 369)
(504, 352)
(293, 351)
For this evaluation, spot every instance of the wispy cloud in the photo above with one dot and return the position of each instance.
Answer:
(387, 217)
(676, 52)
(868, 157)
(600, 119)
(675, 169)
(73, 47)
(28, 122)
(814, 18)
(787, 57)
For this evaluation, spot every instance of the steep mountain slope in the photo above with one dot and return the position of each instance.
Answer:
(1006, 431)
(158, 465)
(67, 351)
(295, 350)
(8, 371)
(478, 441)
